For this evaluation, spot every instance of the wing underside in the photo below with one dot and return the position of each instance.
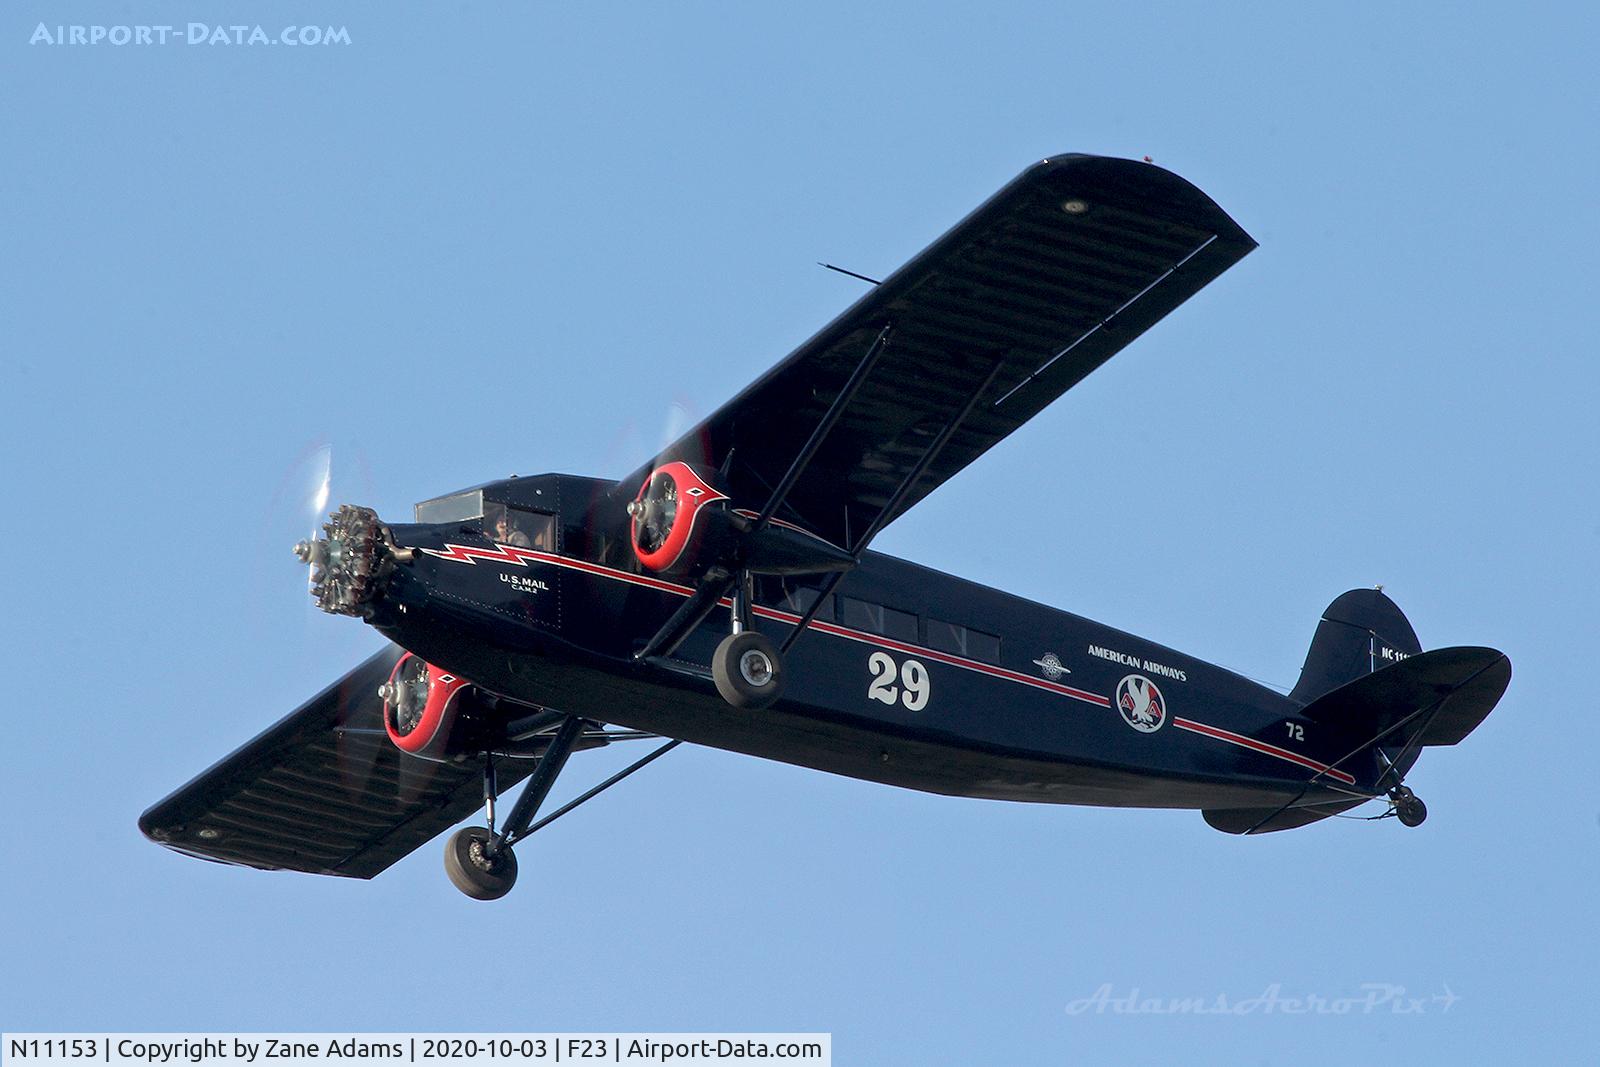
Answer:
(322, 791)
(1031, 292)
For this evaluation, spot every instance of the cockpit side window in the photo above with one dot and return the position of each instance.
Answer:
(523, 527)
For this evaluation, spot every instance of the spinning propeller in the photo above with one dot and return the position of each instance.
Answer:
(655, 512)
(335, 548)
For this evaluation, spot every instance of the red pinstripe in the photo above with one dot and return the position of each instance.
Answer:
(521, 556)
(1261, 746)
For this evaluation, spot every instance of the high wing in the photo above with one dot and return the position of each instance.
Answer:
(1052, 276)
(322, 791)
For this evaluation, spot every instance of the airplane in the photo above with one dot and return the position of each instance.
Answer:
(724, 594)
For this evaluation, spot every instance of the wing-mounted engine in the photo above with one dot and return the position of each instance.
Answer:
(431, 713)
(683, 523)
(680, 519)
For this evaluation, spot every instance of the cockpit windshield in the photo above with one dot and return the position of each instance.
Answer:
(457, 507)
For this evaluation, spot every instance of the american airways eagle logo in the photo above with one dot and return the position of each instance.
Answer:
(1141, 703)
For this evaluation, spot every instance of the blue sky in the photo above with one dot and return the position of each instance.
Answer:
(486, 239)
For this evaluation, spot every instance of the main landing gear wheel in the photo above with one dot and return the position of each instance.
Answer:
(748, 670)
(1408, 807)
(473, 871)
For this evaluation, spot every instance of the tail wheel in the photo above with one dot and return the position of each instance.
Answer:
(473, 870)
(748, 670)
(1408, 807)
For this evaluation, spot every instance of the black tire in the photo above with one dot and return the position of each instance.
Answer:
(1411, 811)
(748, 670)
(474, 873)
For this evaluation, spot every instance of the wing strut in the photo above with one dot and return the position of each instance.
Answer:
(858, 378)
(482, 863)
(691, 613)
(884, 513)
(638, 764)
(716, 582)
(538, 787)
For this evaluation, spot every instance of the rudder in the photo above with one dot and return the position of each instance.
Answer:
(1360, 632)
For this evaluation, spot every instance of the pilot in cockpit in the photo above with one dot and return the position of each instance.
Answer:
(506, 533)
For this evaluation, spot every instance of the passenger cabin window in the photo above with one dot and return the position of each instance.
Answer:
(877, 619)
(799, 599)
(963, 641)
(457, 507)
(509, 525)
(787, 594)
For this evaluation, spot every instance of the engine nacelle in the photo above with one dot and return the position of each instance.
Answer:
(429, 712)
(676, 511)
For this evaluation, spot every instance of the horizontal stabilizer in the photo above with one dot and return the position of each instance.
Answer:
(1266, 820)
(1453, 688)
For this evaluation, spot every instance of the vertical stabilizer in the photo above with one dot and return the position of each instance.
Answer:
(1361, 631)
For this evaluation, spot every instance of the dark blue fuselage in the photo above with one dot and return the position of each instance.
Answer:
(908, 677)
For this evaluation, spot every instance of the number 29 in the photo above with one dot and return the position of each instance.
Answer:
(913, 676)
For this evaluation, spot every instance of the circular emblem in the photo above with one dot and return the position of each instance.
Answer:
(1050, 664)
(1141, 703)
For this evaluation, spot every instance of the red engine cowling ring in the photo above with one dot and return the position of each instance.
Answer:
(691, 492)
(429, 735)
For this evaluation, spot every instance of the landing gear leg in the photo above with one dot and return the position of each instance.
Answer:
(747, 666)
(479, 861)
(490, 790)
(1408, 807)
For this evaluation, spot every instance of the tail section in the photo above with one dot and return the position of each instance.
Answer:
(1361, 632)
(1367, 679)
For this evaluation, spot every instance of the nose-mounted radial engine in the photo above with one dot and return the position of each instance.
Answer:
(350, 560)
(426, 711)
